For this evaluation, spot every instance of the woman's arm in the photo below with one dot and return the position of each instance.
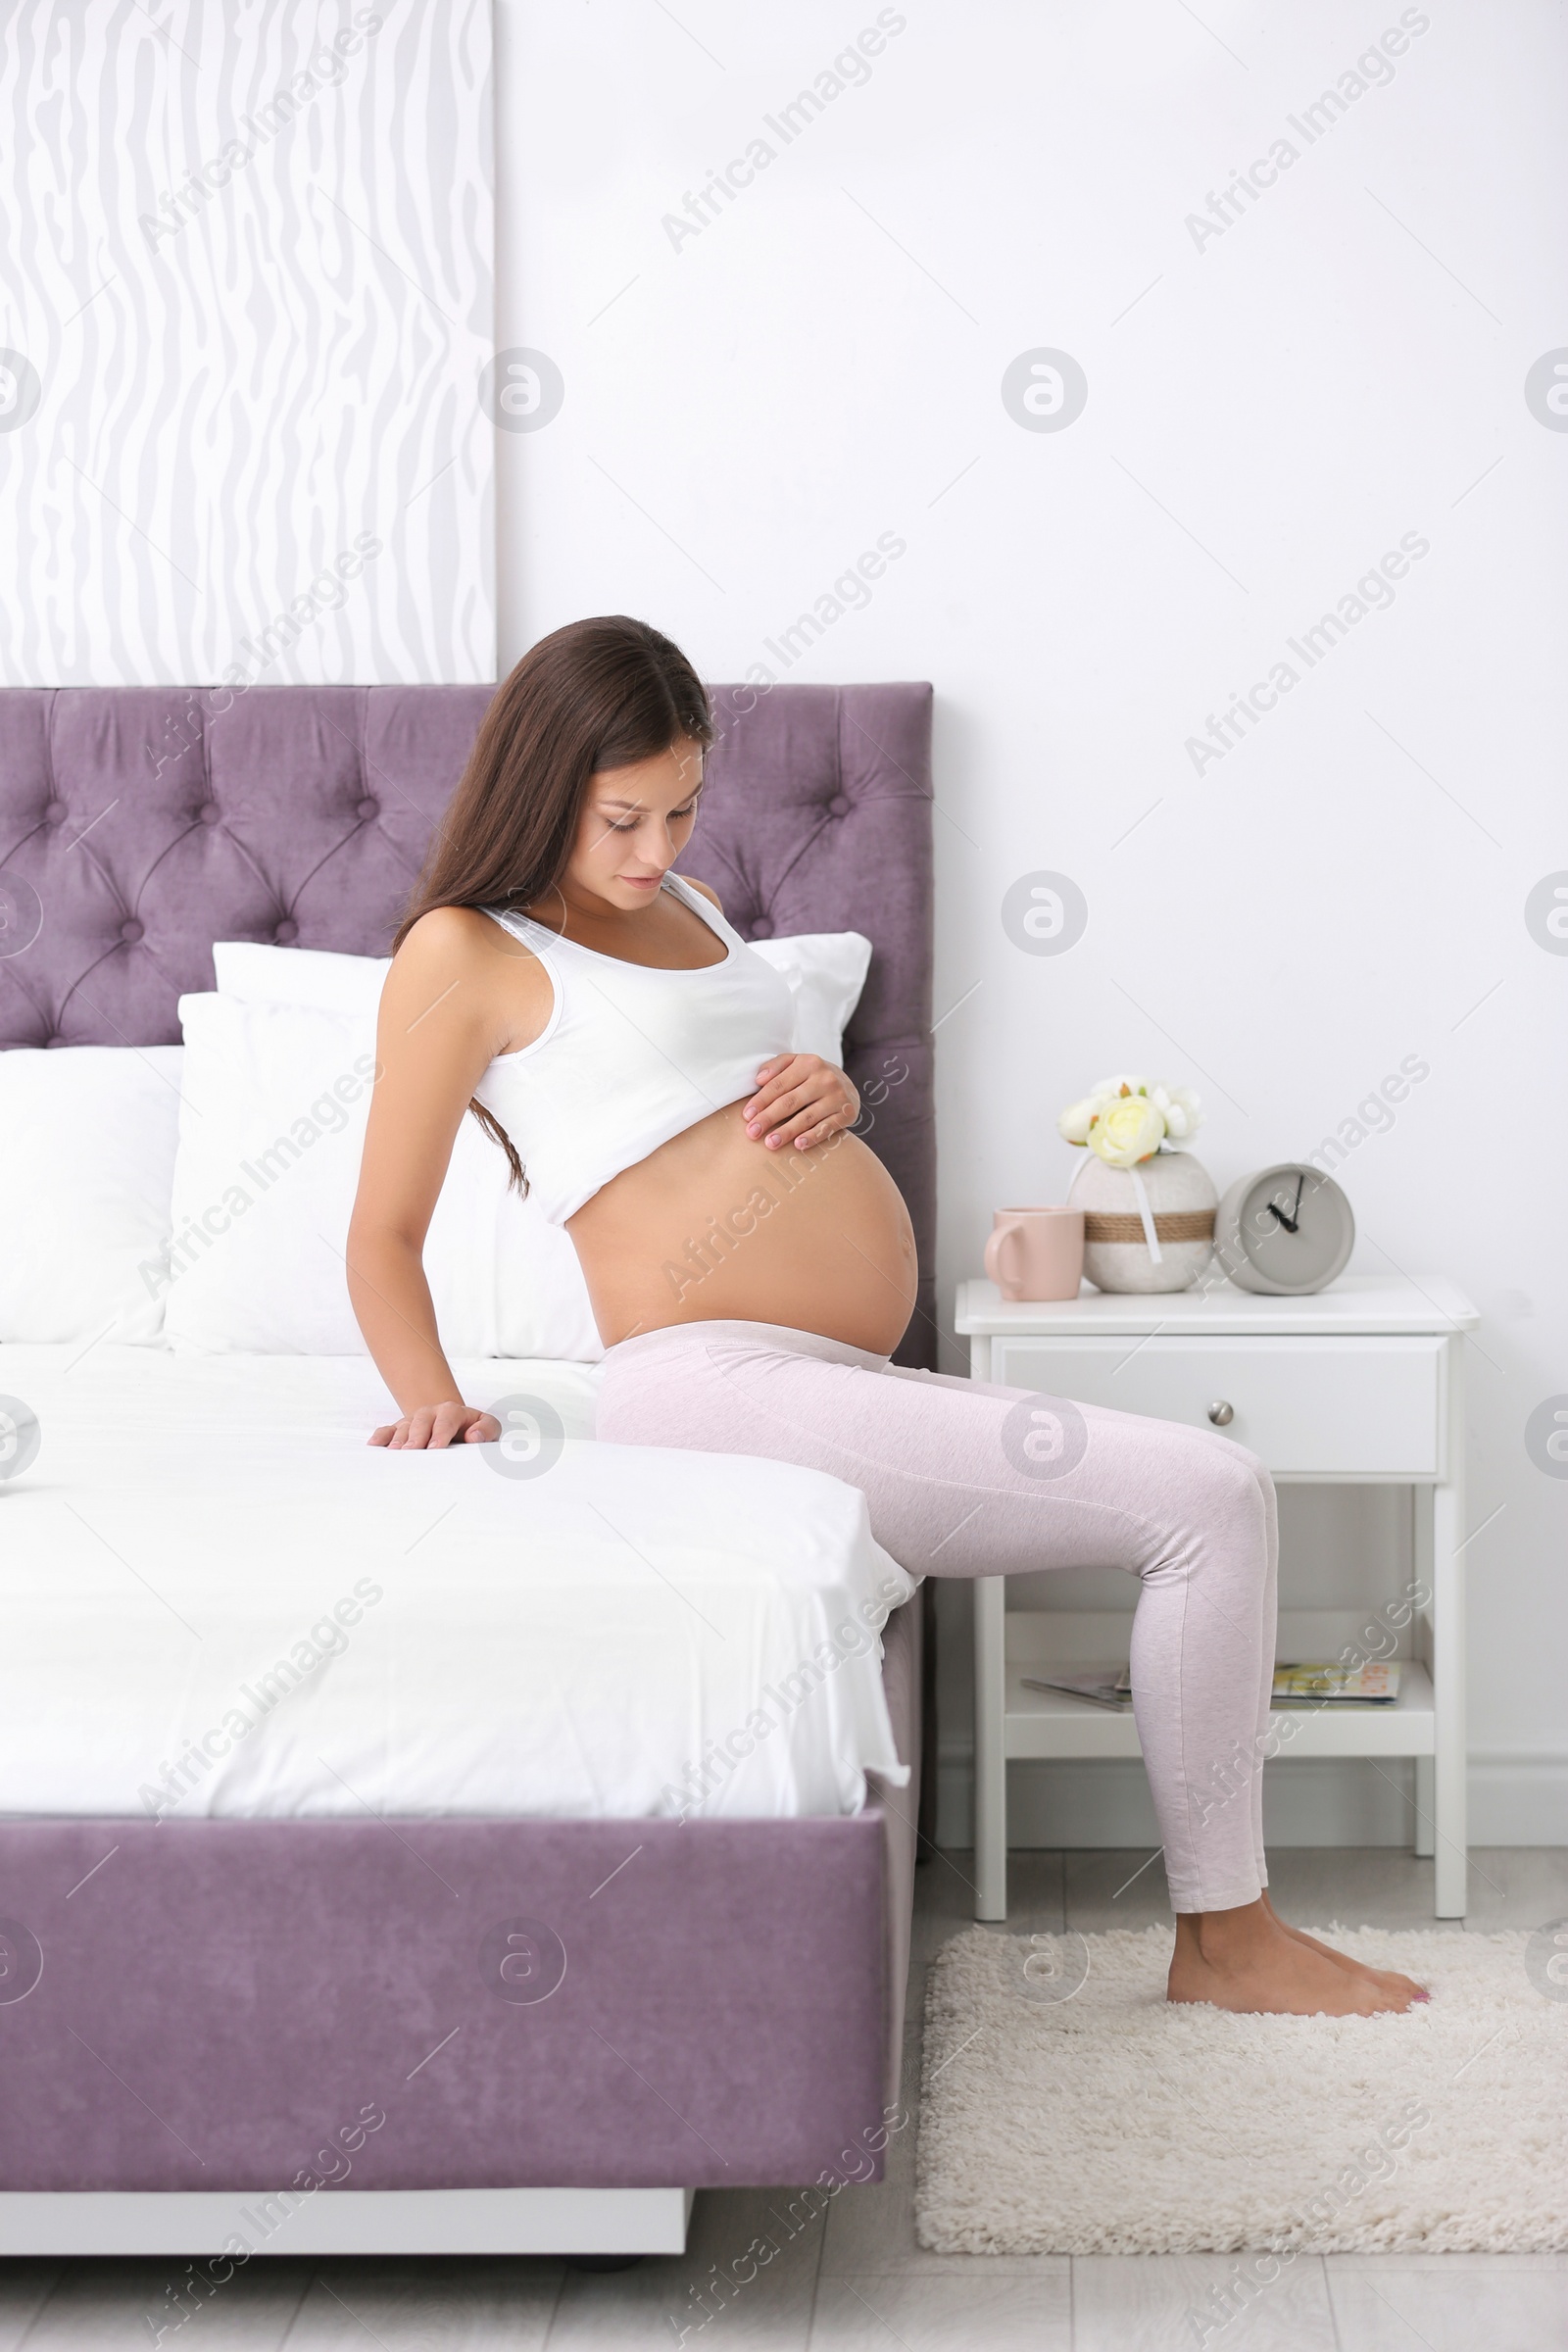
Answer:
(450, 1004)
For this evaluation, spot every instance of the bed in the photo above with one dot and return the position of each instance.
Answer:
(284, 2012)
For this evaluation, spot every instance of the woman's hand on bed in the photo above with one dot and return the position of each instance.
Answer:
(799, 1100)
(439, 1425)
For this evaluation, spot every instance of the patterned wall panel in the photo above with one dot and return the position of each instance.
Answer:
(245, 309)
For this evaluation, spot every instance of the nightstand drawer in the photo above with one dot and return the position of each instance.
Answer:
(1362, 1407)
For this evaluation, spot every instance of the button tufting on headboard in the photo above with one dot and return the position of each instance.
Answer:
(200, 815)
(301, 814)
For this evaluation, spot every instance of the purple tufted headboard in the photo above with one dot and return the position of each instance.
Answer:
(138, 824)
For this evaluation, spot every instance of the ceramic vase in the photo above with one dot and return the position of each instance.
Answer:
(1182, 1199)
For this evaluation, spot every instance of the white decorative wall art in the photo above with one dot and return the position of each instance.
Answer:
(242, 329)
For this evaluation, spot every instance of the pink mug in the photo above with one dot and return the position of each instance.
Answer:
(1036, 1252)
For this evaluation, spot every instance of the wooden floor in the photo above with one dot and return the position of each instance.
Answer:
(856, 2279)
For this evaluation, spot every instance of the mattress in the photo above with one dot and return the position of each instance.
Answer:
(220, 1600)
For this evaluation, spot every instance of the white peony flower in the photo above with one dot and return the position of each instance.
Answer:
(1078, 1117)
(1127, 1131)
(1183, 1112)
(1122, 1084)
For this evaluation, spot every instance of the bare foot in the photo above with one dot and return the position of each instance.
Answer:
(1245, 1960)
(1389, 1978)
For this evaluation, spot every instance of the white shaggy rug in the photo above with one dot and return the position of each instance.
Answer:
(1069, 2109)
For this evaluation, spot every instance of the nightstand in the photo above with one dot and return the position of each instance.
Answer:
(1361, 1383)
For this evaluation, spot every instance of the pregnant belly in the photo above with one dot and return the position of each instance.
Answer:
(714, 1227)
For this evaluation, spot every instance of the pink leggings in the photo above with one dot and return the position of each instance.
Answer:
(967, 1480)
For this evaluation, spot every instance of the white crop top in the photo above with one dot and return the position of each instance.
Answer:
(631, 1056)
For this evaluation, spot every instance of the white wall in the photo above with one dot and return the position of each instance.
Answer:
(1270, 409)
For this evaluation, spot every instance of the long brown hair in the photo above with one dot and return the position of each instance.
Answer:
(600, 693)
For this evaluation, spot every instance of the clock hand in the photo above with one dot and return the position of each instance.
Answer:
(1297, 1209)
(1290, 1223)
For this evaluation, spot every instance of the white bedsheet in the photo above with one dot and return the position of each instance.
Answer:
(216, 1599)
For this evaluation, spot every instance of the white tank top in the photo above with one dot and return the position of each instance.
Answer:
(630, 1055)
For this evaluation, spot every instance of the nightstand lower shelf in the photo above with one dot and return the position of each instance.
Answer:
(1361, 1383)
(1048, 1726)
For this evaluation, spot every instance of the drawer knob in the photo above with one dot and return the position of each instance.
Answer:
(1221, 1413)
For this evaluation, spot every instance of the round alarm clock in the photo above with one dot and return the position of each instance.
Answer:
(1287, 1230)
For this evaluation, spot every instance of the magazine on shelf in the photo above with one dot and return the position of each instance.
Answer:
(1295, 1685)
(1309, 1686)
(1102, 1689)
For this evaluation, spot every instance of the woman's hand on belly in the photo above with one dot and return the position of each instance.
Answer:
(799, 1100)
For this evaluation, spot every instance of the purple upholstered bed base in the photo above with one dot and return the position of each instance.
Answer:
(235, 1995)
(230, 1996)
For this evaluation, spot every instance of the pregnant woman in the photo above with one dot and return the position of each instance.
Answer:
(751, 1264)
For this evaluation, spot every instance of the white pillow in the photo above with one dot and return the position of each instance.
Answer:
(825, 970)
(271, 1125)
(87, 1137)
(259, 975)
